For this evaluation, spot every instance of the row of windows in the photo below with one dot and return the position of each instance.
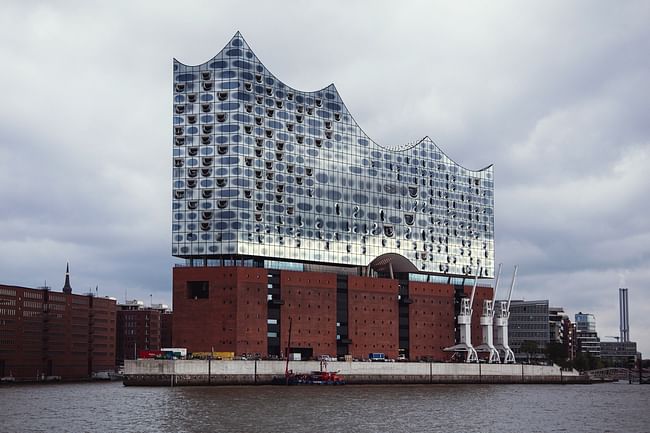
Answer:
(8, 292)
(31, 294)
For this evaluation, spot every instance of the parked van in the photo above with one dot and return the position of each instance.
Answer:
(380, 357)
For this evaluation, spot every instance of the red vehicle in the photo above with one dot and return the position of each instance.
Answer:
(315, 378)
(150, 354)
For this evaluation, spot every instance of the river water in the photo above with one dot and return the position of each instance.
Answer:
(108, 407)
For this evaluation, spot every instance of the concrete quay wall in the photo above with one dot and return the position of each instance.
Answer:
(149, 372)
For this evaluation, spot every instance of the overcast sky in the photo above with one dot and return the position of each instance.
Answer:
(555, 94)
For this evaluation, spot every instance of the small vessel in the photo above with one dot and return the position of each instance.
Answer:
(315, 378)
(100, 375)
(116, 375)
(321, 377)
(107, 375)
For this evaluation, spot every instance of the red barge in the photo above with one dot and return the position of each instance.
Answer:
(322, 377)
(314, 378)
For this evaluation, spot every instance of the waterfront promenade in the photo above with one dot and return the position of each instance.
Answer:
(203, 372)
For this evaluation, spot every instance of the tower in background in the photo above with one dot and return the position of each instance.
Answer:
(67, 288)
(624, 315)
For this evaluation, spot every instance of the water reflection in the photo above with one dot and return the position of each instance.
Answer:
(100, 407)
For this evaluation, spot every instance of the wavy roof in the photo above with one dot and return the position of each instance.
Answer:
(237, 42)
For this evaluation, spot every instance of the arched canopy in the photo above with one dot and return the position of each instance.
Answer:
(399, 264)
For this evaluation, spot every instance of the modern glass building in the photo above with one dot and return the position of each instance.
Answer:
(263, 171)
(529, 322)
(585, 322)
(586, 335)
(286, 212)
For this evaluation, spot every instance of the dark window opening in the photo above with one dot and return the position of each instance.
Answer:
(198, 290)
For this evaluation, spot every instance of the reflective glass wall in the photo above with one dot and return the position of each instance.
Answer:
(264, 170)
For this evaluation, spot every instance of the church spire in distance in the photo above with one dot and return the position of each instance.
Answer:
(66, 286)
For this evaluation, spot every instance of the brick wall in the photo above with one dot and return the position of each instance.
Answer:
(310, 301)
(232, 318)
(373, 316)
(431, 320)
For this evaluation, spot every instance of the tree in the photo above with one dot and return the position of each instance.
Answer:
(581, 363)
(557, 353)
(528, 347)
(586, 361)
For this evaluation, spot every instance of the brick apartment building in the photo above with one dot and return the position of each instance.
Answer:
(48, 334)
(138, 328)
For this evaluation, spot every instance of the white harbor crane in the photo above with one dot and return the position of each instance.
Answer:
(487, 320)
(501, 325)
(465, 326)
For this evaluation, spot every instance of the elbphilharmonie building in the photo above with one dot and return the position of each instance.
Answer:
(266, 176)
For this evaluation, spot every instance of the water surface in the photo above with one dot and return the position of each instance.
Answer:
(104, 407)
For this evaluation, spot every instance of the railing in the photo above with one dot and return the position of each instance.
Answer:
(617, 373)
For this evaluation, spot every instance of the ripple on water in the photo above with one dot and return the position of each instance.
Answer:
(100, 407)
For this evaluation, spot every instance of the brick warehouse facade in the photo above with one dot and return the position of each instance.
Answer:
(45, 333)
(247, 310)
(139, 328)
(373, 316)
(309, 299)
(220, 308)
(431, 324)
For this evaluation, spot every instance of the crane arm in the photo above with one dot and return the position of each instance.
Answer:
(471, 299)
(512, 285)
(496, 284)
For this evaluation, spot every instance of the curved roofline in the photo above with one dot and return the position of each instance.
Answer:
(407, 146)
(398, 263)
(238, 34)
(396, 148)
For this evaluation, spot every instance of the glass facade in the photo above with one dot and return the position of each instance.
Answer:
(264, 170)
(529, 321)
(585, 322)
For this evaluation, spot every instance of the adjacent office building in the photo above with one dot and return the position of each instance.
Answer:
(287, 215)
(166, 328)
(587, 338)
(529, 322)
(139, 328)
(46, 334)
(561, 332)
(537, 323)
(569, 338)
(618, 353)
(556, 323)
